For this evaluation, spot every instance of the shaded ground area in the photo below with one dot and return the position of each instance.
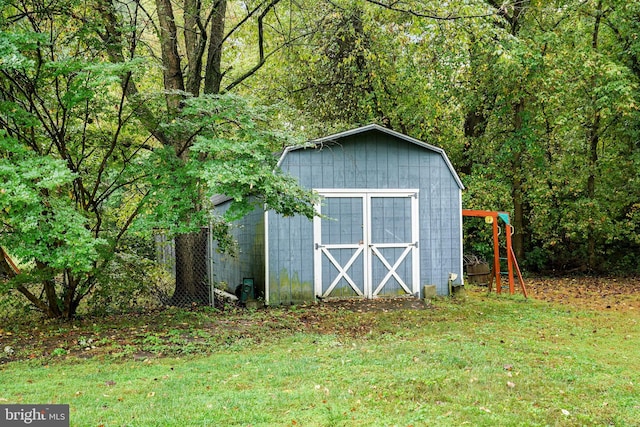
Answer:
(596, 293)
(205, 330)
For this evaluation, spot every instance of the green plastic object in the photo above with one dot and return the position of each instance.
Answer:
(247, 290)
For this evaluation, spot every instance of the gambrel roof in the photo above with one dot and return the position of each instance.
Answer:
(315, 143)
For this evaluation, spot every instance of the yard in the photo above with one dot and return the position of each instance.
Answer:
(567, 356)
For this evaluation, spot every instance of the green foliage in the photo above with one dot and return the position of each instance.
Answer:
(83, 161)
(537, 107)
(234, 153)
(65, 153)
(38, 220)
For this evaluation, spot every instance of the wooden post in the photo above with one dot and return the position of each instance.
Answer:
(496, 254)
(524, 288)
(507, 231)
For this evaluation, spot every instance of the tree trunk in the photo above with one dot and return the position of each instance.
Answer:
(173, 78)
(195, 41)
(53, 308)
(519, 224)
(592, 155)
(192, 284)
(475, 124)
(213, 72)
(594, 138)
(518, 220)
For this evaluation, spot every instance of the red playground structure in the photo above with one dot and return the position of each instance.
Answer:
(491, 217)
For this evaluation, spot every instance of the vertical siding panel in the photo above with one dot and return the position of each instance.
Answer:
(357, 161)
(403, 173)
(338, 171)
(348, 164)
(390, 179)
(373, 154)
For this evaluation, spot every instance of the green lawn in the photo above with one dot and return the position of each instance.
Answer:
(478, 361)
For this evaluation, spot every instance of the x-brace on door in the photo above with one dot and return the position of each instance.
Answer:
(366, 243)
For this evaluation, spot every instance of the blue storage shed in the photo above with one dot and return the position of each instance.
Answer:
(390, 222)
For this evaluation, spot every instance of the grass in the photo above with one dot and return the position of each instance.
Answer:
(478, 361)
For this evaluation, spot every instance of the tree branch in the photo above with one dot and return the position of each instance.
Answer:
(112, 39)
(431, 15)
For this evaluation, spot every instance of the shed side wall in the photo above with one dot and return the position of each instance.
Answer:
(249, 259)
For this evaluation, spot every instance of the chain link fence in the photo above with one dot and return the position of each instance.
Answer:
(188, 258)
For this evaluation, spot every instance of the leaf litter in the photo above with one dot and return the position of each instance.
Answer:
(143, 336)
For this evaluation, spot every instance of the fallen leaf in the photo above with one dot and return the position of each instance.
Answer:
(510, 384)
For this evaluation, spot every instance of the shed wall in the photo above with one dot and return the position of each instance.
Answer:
(249, 260)
(369, 160)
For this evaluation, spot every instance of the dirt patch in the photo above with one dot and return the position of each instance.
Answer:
(361, 305)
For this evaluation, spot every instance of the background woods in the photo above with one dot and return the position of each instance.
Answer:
(121, 117)
(536, 102)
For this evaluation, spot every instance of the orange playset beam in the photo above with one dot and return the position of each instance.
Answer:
(511, 258)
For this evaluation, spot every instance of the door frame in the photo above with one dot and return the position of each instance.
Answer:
(369, 249)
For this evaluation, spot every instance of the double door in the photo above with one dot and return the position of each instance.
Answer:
(366, 243)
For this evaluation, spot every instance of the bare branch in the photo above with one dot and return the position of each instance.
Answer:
(430, 15)
(262, 58)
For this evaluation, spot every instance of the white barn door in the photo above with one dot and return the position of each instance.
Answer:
(366, 244)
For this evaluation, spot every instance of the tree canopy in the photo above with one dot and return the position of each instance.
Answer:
(536, 103)
(118, 118)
